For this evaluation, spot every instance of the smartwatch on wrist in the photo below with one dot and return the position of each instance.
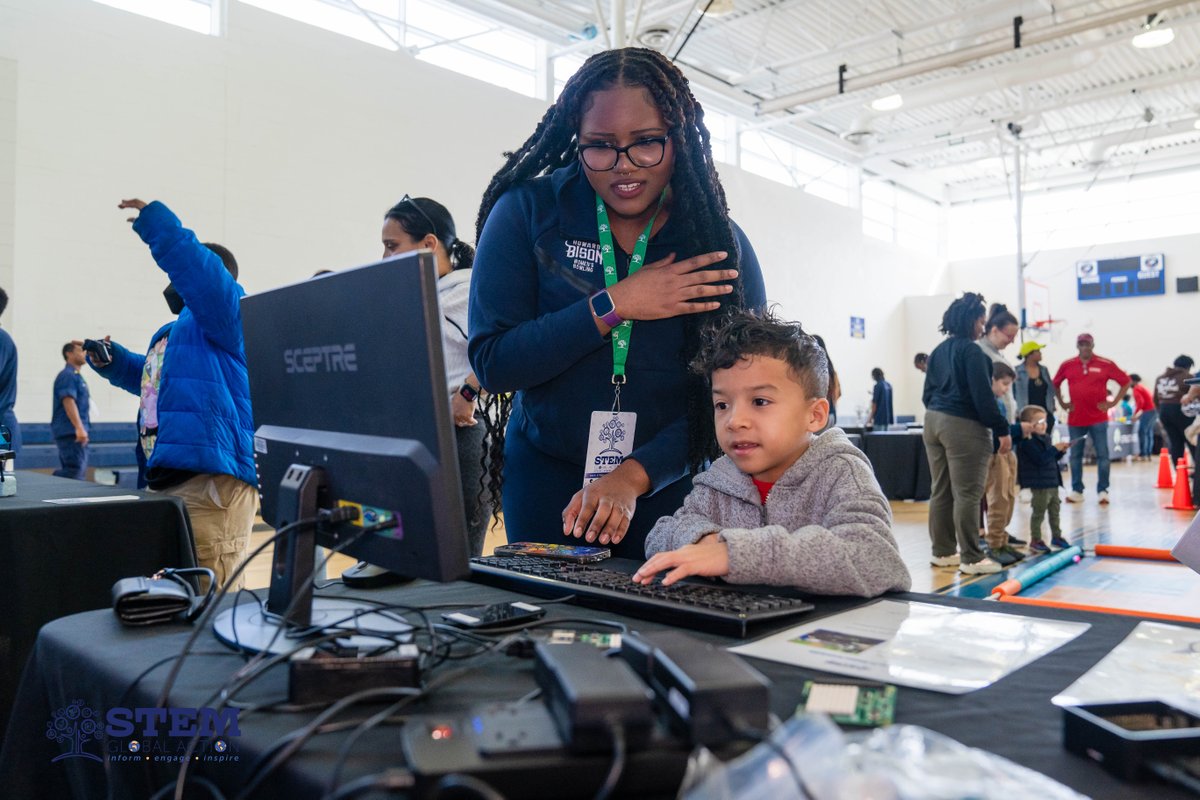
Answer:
(604, 309)
(468, 392)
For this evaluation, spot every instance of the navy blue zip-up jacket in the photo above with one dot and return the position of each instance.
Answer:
(958, 381)
(1037, 461)
(531, 329)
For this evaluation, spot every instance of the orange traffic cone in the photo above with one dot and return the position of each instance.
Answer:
(1164, 470)
(1182, 499)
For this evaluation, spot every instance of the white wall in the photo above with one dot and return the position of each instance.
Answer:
(821, 270)
(1142, 334)
(287, 143)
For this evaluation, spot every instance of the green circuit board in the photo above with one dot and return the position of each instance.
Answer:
(864, 705)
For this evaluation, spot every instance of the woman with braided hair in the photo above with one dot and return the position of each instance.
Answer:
(603, 243)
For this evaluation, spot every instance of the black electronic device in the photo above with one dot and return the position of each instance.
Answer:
(711, 696)
(497, 615)
(580, 554)
(100, 351)
(694, 603)
(517, 750)
(348, 388)
(591, 695)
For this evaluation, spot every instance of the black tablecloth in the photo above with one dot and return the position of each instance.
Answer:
(63, 559)
(900, 463)
(91, 657)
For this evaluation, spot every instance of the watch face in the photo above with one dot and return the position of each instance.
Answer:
(602, 304)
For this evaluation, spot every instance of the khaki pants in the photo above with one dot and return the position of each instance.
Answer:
(1001, 497)
(958, 451)
(221, 509)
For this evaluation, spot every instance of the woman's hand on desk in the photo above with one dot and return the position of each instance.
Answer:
(666, 288)
(600, 512)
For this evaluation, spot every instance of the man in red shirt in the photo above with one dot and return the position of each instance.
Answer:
(1087, 377)
(1145, 415)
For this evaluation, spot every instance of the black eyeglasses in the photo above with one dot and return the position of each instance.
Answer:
(642, 153)
(412, 202)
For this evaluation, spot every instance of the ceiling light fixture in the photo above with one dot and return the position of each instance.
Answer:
(1153, 34)
(719, 8)
(1196, 124)
(655, 38)
(887, 103)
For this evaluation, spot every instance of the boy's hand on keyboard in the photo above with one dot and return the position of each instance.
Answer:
(600, 512)
(708, 557)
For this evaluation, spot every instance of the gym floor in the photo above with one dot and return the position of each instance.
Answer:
(1135, 517)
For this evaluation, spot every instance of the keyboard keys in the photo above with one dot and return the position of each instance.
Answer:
(705, 607)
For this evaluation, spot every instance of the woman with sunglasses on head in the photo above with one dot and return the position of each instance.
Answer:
(604, 243)
(420, 223)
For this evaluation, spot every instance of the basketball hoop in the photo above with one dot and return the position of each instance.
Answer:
(1049, 328)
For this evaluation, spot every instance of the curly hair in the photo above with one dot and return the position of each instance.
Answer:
(962, 314)
(740, 334)
(697, 198)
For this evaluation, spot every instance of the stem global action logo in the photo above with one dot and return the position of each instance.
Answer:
(161, 734)
(78, 725)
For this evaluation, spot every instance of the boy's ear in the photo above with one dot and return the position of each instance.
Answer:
(818, 415)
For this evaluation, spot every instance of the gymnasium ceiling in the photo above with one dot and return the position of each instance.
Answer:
(1082, 102)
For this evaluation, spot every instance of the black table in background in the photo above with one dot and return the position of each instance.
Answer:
(63, 559)
(900, 463)
(91, 657)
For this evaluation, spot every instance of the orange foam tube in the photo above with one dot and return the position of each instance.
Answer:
(1134, 552)
(1128, 612)
(1009, 587)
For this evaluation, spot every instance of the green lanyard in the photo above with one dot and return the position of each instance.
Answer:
(621, 333)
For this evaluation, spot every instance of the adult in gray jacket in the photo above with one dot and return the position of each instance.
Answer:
(785, 505)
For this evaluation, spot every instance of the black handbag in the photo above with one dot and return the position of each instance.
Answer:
(162, 597)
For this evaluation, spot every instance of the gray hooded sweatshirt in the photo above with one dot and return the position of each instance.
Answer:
(825, 528)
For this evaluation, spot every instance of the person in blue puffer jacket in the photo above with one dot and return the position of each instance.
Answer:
(194, 419)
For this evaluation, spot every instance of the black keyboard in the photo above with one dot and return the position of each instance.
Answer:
(702, 606)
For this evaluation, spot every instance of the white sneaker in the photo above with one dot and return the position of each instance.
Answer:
(1026, 495)
(1104, 498)
(984, 566)
(951, 560)
(1075, 497)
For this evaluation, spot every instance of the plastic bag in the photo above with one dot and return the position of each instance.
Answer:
(901, 762)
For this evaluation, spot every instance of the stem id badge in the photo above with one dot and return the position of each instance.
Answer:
(610, 441)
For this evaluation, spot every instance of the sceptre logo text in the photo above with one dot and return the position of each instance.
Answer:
(325, 358)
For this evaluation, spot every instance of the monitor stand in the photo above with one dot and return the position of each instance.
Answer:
(249, 627)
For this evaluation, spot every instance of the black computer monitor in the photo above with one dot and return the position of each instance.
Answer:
(348, 387)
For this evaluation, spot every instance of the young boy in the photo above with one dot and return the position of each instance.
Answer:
(1001, 487)
(1037, 470)
(785, 505)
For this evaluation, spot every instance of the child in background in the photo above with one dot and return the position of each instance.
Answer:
(1037, 470)
(785, 505)
(1001, 480)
